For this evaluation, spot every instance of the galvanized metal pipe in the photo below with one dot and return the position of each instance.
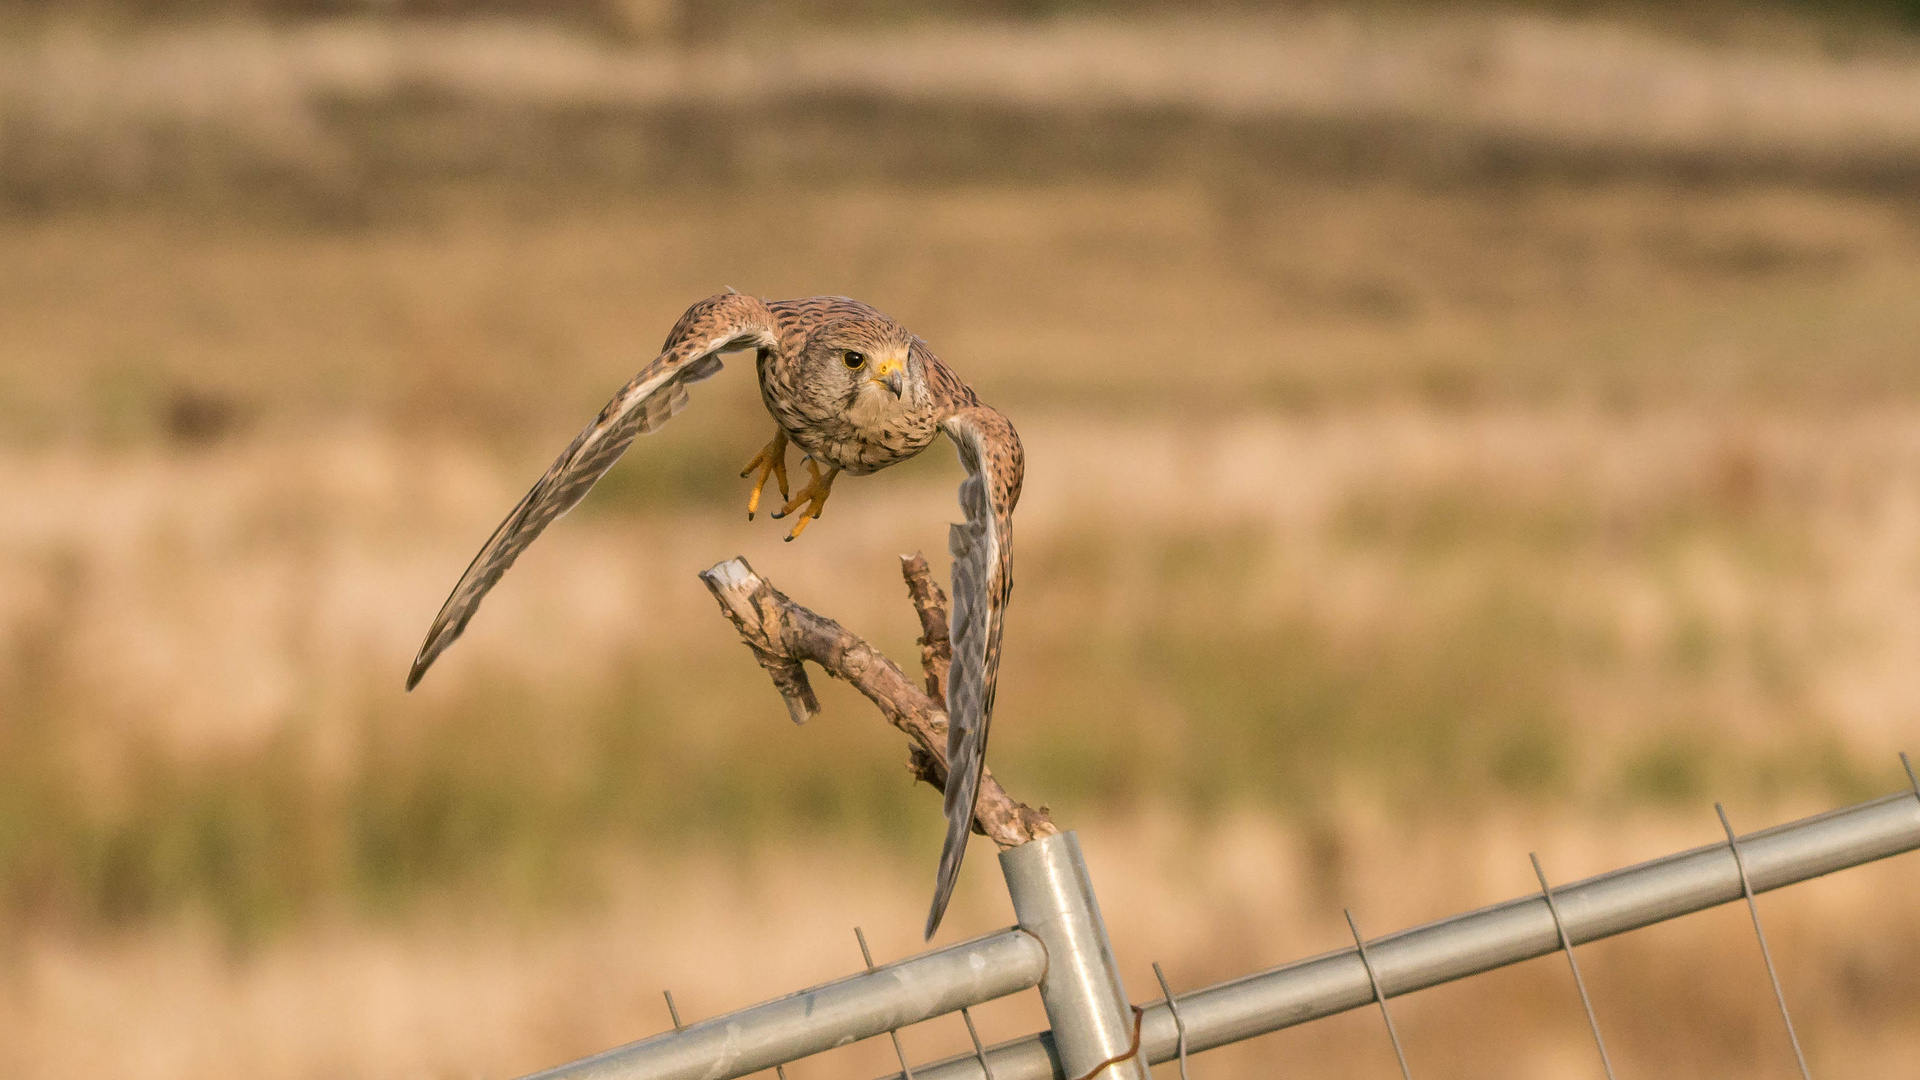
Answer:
(1093, 1026)
(1491, 937)
(857, 1007)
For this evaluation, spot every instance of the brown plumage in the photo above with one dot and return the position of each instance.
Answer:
(856, 392)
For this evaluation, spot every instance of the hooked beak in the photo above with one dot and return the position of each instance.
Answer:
(891, 375)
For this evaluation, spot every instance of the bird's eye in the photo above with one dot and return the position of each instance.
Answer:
(855, 360)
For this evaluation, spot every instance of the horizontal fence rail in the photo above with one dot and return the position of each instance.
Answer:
(834, 1014)
(955, 978)
(1482, 940)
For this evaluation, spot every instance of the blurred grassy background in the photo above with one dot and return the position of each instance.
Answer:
(1452, 432)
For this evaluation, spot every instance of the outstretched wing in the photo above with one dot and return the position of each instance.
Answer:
(982, 580)
(692, 351)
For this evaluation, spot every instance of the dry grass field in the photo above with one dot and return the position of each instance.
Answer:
(1450, 435)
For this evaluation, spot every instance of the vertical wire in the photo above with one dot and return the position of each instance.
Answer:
(1373, 980)
(979, 1051)
(1766, 954)
(1911, 779)
(1173, 1007)
(867, 955)
(1566, 946)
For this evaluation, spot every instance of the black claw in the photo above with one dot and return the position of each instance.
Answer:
(777, 514)
(789, 539)
(749, 515)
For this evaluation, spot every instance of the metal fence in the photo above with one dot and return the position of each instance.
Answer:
(1060, 945)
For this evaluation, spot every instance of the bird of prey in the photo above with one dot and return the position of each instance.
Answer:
(856, 392)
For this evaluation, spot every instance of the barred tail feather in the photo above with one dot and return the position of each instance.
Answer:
(982, 581)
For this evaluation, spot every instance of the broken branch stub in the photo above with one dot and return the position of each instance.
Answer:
(782, 634)
(930, 603)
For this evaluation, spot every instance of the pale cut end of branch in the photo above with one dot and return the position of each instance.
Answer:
(754, 608)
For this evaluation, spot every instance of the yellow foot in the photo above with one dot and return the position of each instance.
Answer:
(771, 461)
(812, 497)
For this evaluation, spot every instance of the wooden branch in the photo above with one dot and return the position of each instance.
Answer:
(936, 655)
(782, 634)
(936, 648)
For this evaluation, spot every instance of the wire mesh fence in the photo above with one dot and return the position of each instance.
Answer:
(1060, 945)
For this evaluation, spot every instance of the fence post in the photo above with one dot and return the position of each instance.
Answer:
(1095, 1030)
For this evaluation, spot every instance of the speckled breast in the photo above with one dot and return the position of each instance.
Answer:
(861, 450)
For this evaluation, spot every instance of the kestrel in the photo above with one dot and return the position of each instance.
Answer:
(856, 392)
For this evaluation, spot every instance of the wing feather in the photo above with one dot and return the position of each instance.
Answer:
(692, 353)
(982, 550)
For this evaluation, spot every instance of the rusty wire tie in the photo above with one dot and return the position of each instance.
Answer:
(1131, 1052)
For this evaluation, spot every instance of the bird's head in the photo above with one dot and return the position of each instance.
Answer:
(870, 362)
